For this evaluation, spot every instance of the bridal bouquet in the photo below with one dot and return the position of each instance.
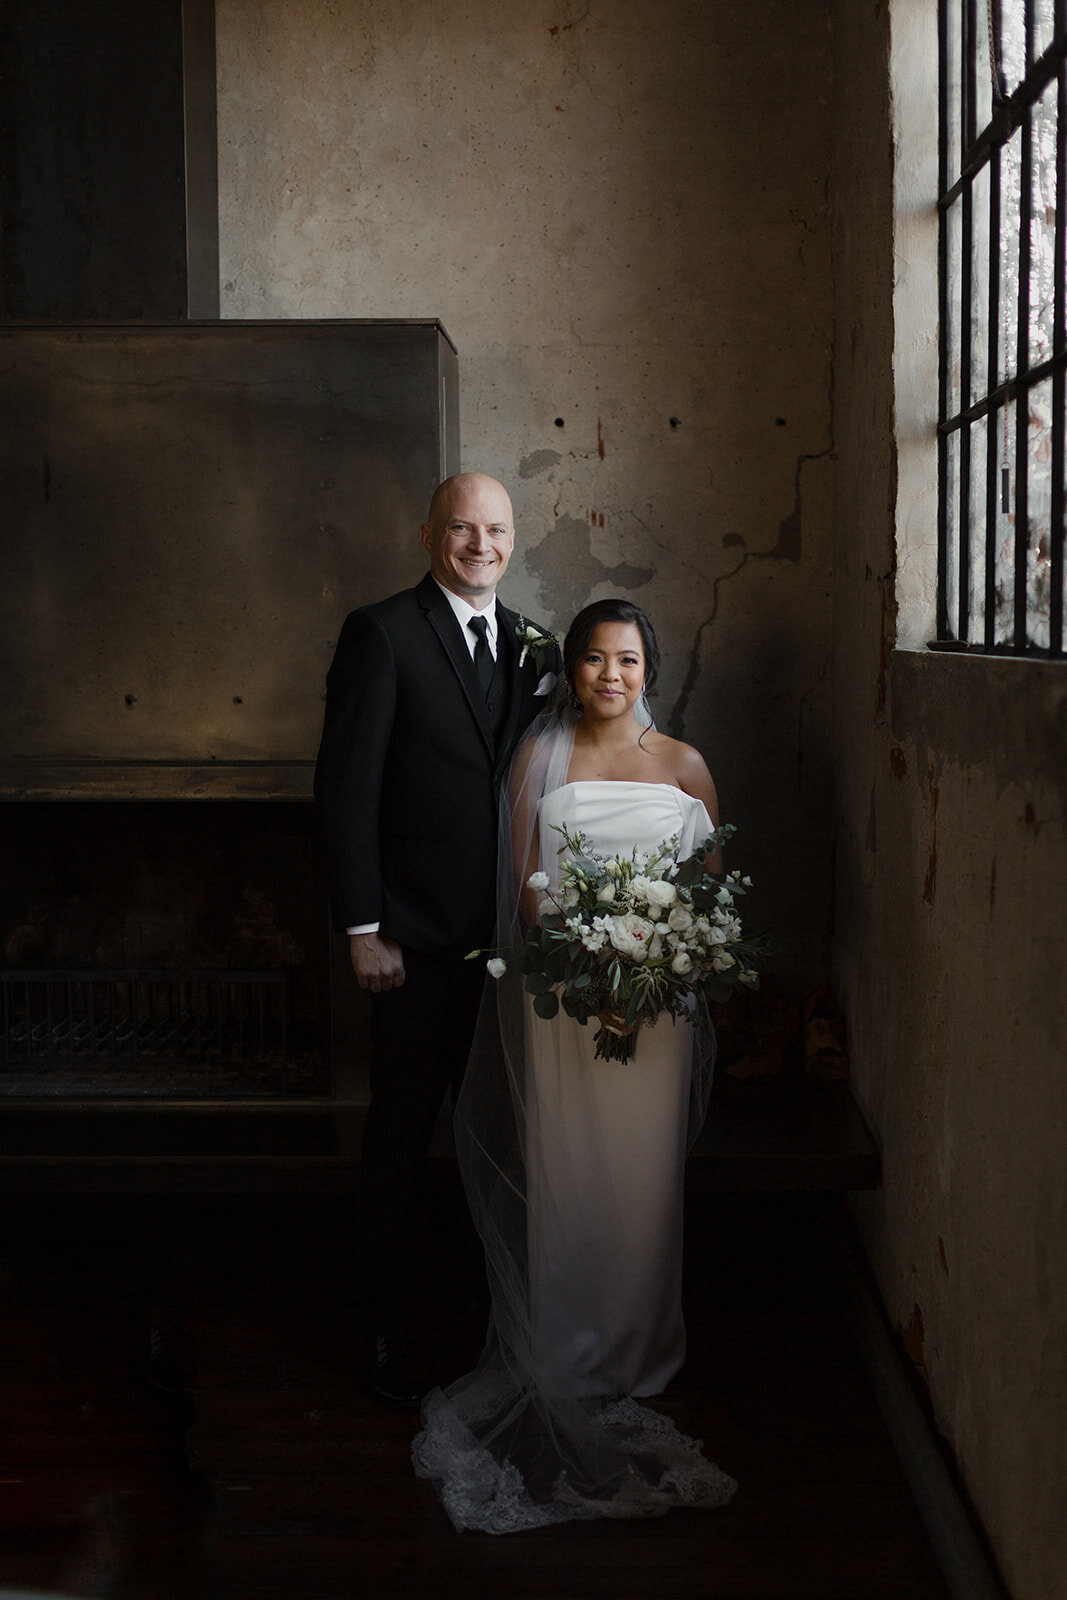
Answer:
(628, 938)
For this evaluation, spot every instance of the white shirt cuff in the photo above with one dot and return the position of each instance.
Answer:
(365, 927)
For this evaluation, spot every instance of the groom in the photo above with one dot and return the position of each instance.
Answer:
(426, 701)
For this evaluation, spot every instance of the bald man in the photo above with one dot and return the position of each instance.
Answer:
(426, 701)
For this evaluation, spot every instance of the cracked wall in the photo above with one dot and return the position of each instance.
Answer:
(593, 199)
(951, 861)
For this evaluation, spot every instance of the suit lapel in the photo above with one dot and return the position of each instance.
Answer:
(507, 641)
(442, 620)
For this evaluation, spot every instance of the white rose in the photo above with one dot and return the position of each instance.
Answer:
(682, 964)
(661, 893)
(495, 967)
(547, 908)
(537, 880)
(630, 934)
(680, 919)
(639, 887)
(606, 893)
(715, 936)
(722, 962)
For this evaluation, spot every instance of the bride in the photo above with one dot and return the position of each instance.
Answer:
(573, 1166)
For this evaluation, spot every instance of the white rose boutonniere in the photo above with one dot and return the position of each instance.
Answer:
(533, 643)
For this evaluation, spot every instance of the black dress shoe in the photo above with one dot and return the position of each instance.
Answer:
(393, 1378)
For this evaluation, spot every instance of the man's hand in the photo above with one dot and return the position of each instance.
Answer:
(377, 962)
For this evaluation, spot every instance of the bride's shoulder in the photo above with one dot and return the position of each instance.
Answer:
(688, 768)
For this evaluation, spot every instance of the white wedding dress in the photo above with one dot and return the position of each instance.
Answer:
(606, 1143)
(587, 1303)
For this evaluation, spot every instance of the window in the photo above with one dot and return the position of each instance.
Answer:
(1003, 208)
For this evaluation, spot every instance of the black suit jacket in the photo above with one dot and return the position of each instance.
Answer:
(408, 774)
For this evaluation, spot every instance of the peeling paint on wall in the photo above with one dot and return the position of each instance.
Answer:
(930, 881)
(567, 570)
(912, 1334)
(538, 461)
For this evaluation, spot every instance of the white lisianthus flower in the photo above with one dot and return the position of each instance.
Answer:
(680, 919)
(571, 896)
(496, 967)
(613, 868)
(606, 893)
(716, 936)
(747, 881)
(639, 887)
(547, 908)
(682, 963)
(537, 880)
(722, 962)
(661, 894)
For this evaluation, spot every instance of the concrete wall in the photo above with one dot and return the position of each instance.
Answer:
(951, 938)
(618, 210)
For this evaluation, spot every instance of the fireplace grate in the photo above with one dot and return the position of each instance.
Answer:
(52, 1018)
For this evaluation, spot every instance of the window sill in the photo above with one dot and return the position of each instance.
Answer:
(1008, 712)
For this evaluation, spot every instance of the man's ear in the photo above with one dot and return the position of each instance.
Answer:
(426, 535)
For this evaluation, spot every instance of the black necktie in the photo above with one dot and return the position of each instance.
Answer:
(483, 656)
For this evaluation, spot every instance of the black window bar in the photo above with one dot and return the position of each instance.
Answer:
(1002, 180)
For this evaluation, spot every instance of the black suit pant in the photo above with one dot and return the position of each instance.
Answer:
(420, 1039)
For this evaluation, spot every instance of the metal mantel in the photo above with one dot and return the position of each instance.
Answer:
(189, 512)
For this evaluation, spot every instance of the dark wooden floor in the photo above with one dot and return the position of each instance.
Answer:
(268, 1471)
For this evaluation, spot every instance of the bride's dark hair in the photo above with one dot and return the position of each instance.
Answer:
(589, 619)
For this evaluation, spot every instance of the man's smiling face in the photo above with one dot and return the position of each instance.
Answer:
(470, 536)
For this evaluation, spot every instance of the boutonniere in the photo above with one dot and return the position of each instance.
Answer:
(534, 643)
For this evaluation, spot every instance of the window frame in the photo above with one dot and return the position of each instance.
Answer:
(985, 397)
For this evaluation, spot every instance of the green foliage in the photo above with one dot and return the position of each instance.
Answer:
(634, 936)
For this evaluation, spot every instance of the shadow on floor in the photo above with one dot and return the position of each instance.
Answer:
(185, 1415)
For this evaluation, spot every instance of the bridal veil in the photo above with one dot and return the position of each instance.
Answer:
(505, 1449)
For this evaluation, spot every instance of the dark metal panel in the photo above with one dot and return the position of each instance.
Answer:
(189, 513)
(448, 374)
(91, 161)
(201, 157)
